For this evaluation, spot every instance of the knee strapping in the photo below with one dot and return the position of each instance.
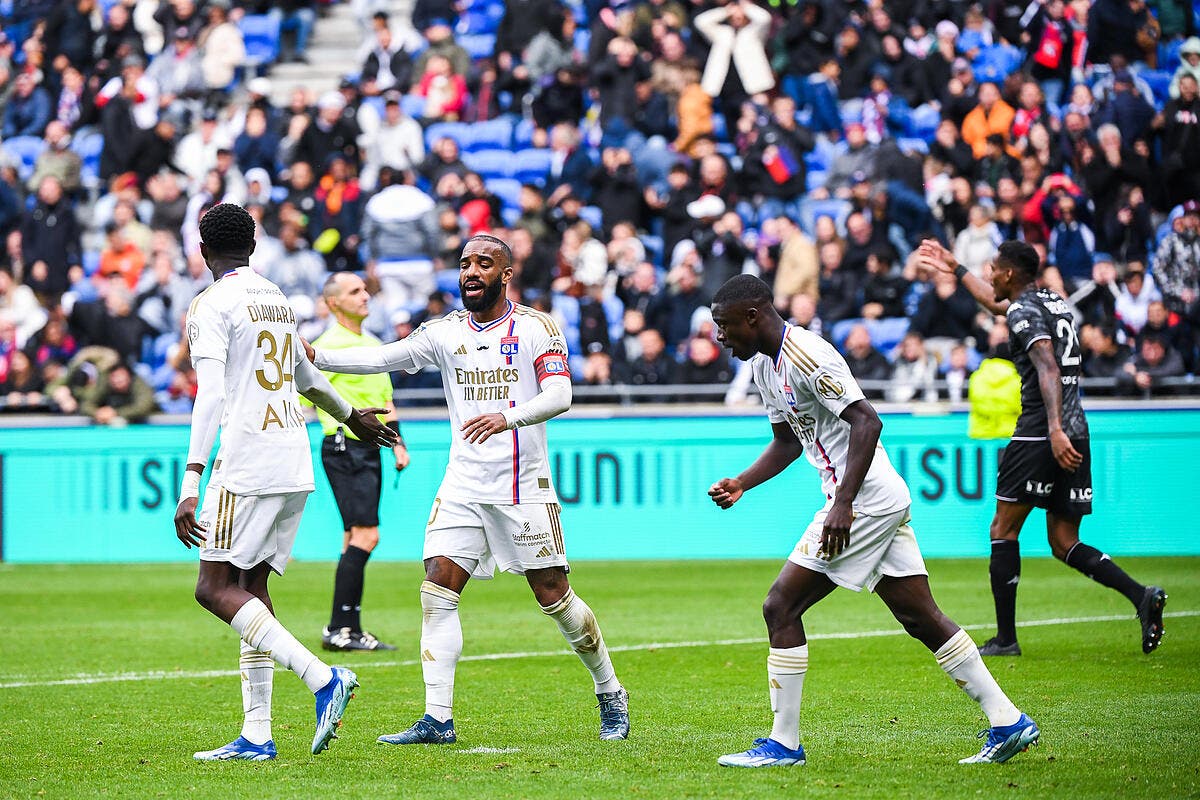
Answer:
(434, 597)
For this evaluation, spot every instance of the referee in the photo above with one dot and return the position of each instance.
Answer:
(353, 468)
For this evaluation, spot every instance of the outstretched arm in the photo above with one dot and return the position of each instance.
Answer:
(1041, 352)
(364, 360)
(362, 422)
(783, 449)
(936, 257)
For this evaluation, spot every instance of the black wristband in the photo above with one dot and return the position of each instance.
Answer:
(960, 271)
(395, 426)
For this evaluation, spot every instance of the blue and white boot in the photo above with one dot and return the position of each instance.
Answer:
(240, 749)
(1005, 742)
(765, 753)
(332, 700)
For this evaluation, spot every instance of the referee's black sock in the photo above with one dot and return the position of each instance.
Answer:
(348, 589)
(1005, 570)
(1100, 568)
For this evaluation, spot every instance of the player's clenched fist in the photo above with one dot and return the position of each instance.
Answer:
(726, 492)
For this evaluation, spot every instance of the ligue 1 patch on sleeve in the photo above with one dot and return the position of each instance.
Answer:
(508, 346)
(551, 364)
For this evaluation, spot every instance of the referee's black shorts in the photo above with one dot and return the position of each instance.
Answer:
(1030, 475)
(356, 477)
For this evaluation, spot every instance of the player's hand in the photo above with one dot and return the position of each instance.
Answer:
(481, 428)
(726, 492)
(1064, 452)
(187, 528)
(364, 423)
(835, 535)
(401, 454)
(936, 257)
(310, 352)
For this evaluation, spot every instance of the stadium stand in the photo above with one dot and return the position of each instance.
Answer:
(1090, 151)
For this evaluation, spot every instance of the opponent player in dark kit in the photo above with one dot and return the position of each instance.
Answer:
(1048, 462)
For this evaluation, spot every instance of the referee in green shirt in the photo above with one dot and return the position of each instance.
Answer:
(353, 468)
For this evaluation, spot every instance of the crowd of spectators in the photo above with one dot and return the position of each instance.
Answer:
(635, 154)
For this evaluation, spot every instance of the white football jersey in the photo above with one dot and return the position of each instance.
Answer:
(808, 385)
(245, 322)
(485, 369)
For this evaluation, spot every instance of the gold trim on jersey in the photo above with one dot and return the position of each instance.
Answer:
(800, 359)
(547, 321)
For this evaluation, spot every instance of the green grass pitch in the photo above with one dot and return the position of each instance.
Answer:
(879, 718)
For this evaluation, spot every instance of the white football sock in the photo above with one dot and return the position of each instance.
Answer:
(579, 627)
(960, 659)
(441, 646)
(785, 671)
(258, 673)
(255, 623)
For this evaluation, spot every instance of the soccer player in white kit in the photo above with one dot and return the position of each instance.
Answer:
(504, 369)
(860, 539)
(250, 369)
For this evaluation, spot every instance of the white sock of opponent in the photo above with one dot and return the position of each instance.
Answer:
(441, 646)
(258, 673)
(579, 627)
(255, 623)
(960, 659)
(785, 670)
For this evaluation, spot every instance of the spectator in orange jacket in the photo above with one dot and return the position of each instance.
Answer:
(992, 115)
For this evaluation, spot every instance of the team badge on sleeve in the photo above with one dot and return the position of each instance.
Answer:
(789, 395)
(193, 331)
(551, 364)
(508, 346)
(830, 388)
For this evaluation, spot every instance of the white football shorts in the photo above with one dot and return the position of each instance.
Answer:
(246, 530)
(480, 537)
(879, 546)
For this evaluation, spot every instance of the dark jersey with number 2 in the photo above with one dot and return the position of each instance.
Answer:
(1035, 315)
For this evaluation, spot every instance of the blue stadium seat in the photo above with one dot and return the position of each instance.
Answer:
(24, 150)
(260, 33)
(523, 134)
(885, 333)
(837, 208)
(1160, 84)
(583, 39)
(447, 281)
(493, 134)
(531, 165)
(720, 127)
(413, 105)
(1168, 55)
(478, 45)
(923, 122)
(477, 21)
(592, 216)
(997, 62)
(654, 248)
(507, 189)
(458, 131)
(490, 163)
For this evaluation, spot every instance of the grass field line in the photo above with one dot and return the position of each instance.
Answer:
(84, 679)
